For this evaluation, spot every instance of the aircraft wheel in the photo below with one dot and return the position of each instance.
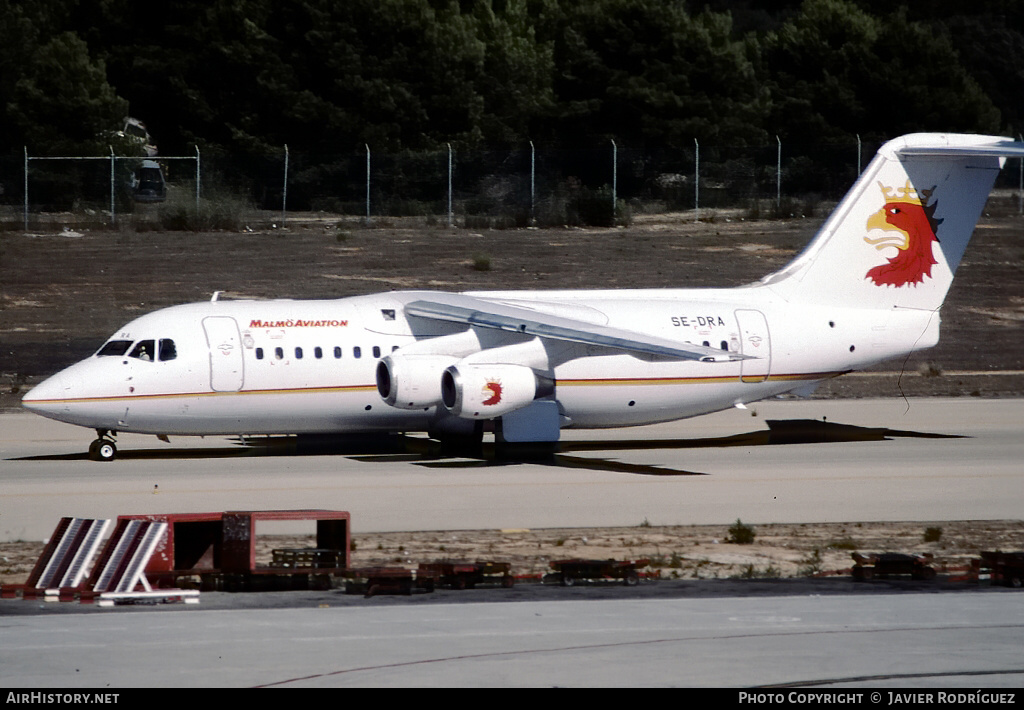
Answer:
(102, 450)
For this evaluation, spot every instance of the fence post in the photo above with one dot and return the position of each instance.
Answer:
(696, 181)
(533, 185)
(367, 221)
(858, 155)
(450, 221)
(113, 219)
(284, 190)
(26, 188)
(778, 176)
(1020, 189)
(615, 178)
(198, 176)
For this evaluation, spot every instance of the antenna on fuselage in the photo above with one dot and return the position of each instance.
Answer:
(216, 296)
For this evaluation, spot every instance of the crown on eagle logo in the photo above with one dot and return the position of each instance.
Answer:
(908, 193)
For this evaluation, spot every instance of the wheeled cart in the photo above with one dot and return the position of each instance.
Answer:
(1005, 568)
(892, 564)
(463, 575)
(569, 572)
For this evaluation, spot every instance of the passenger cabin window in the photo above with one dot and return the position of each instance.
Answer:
(114, 348)
(168, 352)
(143, 350)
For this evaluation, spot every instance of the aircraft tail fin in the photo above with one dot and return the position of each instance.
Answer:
(897, 237)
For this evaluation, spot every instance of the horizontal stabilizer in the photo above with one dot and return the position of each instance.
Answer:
(951, 145)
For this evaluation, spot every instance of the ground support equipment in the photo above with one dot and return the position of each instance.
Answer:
(463, 575)
(217, 551)
(1005, 568)
(60, 572)
(370, 581)
(892, 564)
(569, 572)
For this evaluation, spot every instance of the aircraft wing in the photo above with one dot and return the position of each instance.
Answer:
(481, 313)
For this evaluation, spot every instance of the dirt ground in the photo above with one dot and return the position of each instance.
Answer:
(64, 288)
(680, 552)
(697, 552)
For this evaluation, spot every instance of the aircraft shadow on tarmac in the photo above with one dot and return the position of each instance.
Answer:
(431, 454)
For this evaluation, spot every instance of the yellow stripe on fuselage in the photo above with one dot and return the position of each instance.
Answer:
(182, 395)
(633, 381)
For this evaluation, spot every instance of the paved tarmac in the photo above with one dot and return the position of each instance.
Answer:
(917, 459)
(951, 459)
(867, 640)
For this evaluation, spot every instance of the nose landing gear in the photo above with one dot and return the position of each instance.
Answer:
(104, 448)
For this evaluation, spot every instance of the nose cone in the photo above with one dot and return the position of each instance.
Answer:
(66, 392)
(49, 397)
(81, 394)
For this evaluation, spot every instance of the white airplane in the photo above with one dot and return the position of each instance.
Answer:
(868, 287)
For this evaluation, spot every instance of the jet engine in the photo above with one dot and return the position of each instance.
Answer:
(487, 391)
(412, 381)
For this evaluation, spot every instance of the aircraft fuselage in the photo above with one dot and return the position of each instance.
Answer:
(298, 367)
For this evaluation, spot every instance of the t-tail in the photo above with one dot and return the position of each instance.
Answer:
(897, 237)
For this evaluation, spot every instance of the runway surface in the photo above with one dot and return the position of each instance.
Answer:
(951, 459)
(926, 640)
(917, 459)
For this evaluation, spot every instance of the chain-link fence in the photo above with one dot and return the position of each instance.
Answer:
(519, 186)
(104, 187)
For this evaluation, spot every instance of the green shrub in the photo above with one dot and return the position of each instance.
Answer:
(811, 565)
(216, 212)
(740, 534)
(846, 543)
(577, 206)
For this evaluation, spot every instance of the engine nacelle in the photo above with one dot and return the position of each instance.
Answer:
(487, 391)
(412, 381)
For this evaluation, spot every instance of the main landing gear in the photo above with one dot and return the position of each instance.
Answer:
(104, 448)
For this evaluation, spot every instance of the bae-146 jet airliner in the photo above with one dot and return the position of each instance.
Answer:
(868, 287)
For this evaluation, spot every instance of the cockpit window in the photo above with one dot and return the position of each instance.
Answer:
(168, 351)
(115, 348)
(143, 350)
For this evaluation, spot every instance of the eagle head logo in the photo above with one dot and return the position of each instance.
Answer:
(910, 225)
(492, 392)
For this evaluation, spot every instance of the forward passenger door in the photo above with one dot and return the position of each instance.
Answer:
(226, 364)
